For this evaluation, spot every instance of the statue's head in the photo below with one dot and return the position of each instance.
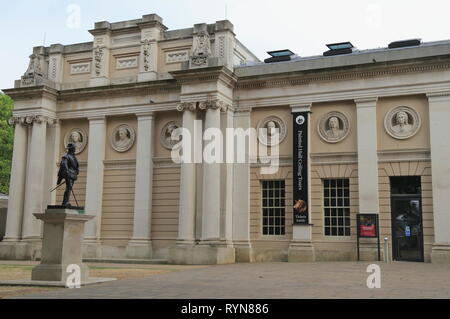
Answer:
(71, 148)
(123, 133)
(271, 127)
(75, 136)
(171, 128)
(333, 122)
(402, 118)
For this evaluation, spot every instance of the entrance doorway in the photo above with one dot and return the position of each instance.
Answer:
(406, 214)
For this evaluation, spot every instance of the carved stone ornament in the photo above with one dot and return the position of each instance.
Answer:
(146, 54)
(31, 119)
(268, 128)
(402, 122)
(333, 127)
(122, 138)
(187, 106)
(34, 74)
(98, 54)
(78, 137)
(213, 104)
(166, 135)
(201, 50)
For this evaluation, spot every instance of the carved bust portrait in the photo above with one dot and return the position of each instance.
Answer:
(271, 131)
(333, 127)
(122, 138)
(77, 137)
(166, 135)
(402, 122)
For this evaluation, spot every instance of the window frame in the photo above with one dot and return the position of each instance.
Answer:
(284, 226)
(344, 207)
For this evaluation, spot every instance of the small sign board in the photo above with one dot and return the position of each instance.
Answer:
(367, 227)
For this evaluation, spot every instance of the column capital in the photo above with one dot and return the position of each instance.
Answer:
(31, 119)
(366, 102)
(98, 118)
(141, 116)
(301, 107)
(214, 105)
(187, 106)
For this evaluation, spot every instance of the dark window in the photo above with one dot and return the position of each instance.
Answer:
(405, 185)
(336, 203)
(273, 208)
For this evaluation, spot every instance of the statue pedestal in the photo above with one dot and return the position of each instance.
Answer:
(61, 247)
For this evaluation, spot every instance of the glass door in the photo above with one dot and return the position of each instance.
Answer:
(407, 233)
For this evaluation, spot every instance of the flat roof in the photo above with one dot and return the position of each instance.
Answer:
(357, 57)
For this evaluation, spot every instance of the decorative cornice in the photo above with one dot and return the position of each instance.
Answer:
(404, 155)
(211, 74)
(334, 158)
(32, 92)
(304, 79)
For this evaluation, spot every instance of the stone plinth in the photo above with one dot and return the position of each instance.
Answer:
(62, 246)
(301, 248)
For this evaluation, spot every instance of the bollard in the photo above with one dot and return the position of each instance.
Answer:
(386, 249)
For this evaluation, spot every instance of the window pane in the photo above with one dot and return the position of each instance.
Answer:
(336, 203)
(273, 207)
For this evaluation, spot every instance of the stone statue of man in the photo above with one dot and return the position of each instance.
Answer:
(68, 171)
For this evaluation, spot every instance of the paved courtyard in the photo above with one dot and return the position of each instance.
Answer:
(275, 280)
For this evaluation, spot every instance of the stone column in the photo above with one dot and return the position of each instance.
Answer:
(140, 245)
(367, 166)
(186, 222)
(211, 185)
(34, 184)
(94, 182)
(439, 108)
(241, 191)
(367, 155)
(17, 182)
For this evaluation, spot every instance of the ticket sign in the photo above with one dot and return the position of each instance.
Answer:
(367, 225)
(300, 165)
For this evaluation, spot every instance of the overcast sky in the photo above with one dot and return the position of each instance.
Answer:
(262, 25)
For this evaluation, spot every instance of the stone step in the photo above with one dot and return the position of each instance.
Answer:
(125, 261)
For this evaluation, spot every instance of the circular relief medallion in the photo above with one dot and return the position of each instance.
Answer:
(166, 135)
(78, 137)
(333, 127)
(402, 122)
(122, 138)
(271, 131)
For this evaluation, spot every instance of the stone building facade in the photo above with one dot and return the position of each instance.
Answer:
(378, 136)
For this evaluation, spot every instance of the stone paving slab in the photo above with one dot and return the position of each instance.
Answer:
(275, 280)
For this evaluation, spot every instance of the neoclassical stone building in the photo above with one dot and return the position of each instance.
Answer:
(378, 142)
